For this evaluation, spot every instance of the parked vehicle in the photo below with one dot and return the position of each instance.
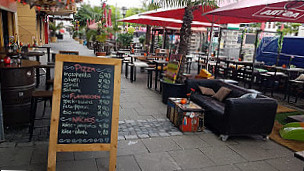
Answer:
(292, 51)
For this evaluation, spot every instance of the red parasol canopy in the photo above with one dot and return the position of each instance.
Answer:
(178, 13)
(159, 21)
(263, 10)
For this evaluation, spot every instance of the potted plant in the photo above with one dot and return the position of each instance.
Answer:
(53, 29)
(80, 34)
(91, 38)
(101, 38)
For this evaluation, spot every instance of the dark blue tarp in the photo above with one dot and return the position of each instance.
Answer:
(292, 46)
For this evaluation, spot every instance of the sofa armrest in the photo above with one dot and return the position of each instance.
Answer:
(250, 115)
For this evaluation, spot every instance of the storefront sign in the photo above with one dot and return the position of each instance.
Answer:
(272, 12)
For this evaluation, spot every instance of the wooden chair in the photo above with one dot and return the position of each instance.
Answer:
(38, 96)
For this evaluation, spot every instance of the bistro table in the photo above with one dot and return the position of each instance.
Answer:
(160, 63)
(48, 51)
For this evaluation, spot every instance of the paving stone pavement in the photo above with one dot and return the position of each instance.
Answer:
(134, 129)
(159, 150)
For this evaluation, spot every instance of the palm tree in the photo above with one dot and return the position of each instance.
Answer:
(148, 7)
(185, 31)
(86, 12)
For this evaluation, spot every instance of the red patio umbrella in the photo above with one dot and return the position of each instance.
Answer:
(262, 11)
(178, 13)
(159, 21)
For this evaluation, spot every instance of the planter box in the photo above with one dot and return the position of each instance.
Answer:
(53, 39)
(101, 53)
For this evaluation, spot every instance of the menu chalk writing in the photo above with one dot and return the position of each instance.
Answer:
(86, 103)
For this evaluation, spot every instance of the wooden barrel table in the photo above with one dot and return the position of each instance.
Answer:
(17, 84)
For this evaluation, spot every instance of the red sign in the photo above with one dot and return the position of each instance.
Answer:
(8, 5)
(276, 12)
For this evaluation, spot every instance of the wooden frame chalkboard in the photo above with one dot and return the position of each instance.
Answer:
(85, 99)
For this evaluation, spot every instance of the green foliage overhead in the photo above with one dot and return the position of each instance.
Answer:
(86, 12)
(116, 15)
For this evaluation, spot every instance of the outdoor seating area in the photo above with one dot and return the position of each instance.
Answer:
(133, 109)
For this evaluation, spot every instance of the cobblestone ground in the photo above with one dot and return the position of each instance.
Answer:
(134, 129)
(148, 141)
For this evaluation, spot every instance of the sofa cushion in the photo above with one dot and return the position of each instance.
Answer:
(206, 91)
(222, 93)
(249, 96)
(208, 103)
(300, 78)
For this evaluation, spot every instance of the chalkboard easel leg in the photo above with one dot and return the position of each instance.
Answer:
(112, 163)
(51, 160)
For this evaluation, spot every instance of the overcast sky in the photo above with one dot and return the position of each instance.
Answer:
(120, 3)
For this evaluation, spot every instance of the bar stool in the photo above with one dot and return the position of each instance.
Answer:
(38, 96)
(150, 75)
(294, 88)
(126, 62)
(47, 68)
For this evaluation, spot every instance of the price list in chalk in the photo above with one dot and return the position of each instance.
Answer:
(86, 103)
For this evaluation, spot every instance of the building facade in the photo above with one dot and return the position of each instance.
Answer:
(8, 21)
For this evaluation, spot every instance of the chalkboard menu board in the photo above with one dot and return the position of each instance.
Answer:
(86, 103)
(85, 108)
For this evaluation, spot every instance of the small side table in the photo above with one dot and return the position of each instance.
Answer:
(187, 117)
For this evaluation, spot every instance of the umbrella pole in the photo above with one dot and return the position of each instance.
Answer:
(171, 42)
(254, 54)
(218, 54)
(279, 50)
(241, 48)
(210, 45)
(153, 41)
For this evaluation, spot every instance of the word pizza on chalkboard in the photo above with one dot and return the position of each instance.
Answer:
(85, 107)
(86, 103)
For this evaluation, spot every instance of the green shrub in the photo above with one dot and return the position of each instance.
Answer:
(125, 39)
(91, 35)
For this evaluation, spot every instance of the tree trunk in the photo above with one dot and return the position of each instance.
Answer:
(185, 33)
(148, 35)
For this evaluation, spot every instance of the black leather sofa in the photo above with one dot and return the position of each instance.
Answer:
(234, 116)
